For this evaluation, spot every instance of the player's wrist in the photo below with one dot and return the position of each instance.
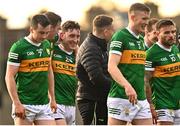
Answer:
(126, 85)
(16, 103)
(52, 99)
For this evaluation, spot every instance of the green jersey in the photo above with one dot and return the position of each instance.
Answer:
(32, 77)
(165, 83)
(64, 74)
(132, 62)
(54, 41)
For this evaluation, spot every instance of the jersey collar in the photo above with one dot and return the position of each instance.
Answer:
(61, 47)
(31, 42)
(130, 31)
(161, 46)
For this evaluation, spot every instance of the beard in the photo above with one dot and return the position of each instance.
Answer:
(169, 43)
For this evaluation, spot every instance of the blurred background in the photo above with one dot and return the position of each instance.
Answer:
(15, 15)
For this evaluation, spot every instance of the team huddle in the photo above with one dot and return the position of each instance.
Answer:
(136, 80)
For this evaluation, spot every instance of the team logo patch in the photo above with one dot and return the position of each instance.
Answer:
(57, 55)
(30, 53)
(131, 44)
(69, 59)
(164, 59)
(126, 111)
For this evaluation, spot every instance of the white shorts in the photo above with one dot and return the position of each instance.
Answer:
(122, 109)
(65, 112)
(169, 115)
(36, 112)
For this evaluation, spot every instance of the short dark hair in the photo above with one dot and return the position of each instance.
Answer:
(54, 19)
(39, 19)
(164, 22)
(101, 21)
(150, 23)
(70, 25)
(139, 7)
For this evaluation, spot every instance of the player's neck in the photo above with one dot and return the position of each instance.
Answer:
(32, 39)
(147, 42)
(65, 49)
(164, 45)
(133, 29)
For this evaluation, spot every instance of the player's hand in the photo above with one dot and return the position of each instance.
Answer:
(53, 106)
(154, 114)
(20, 111)
(131, 93)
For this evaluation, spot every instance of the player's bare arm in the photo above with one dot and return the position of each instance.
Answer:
(148, 77)
(11, 86)
(51, 89)
(119, 78)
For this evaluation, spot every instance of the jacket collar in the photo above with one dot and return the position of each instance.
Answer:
(100, 42)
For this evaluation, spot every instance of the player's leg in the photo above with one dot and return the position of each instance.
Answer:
(60, 121)
(120, 111)
(144, 116)
(113, 121)
(19, 121)
(29, 116)
(60, 118)
(165, 117)
(45, 122)
(60, 115)
(142, 121)
(164, 123)
(45, 115)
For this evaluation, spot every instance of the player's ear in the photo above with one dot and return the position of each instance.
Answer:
(157, 32)
(62, 35)
(132, 17)
(146, 31)
(31, 29)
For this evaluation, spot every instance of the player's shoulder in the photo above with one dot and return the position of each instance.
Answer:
(46, 43)
(121, 35)
(122, 32)
(153, 50)
(175, 48)
(19, 43)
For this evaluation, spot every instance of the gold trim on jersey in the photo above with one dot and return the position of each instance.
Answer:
(170, 70)
(133, 57)
(34, 65)
(64, 68)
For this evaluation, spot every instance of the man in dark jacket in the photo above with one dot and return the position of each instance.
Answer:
(94, 79)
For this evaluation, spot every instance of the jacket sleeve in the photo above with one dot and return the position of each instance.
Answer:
(91, 61)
